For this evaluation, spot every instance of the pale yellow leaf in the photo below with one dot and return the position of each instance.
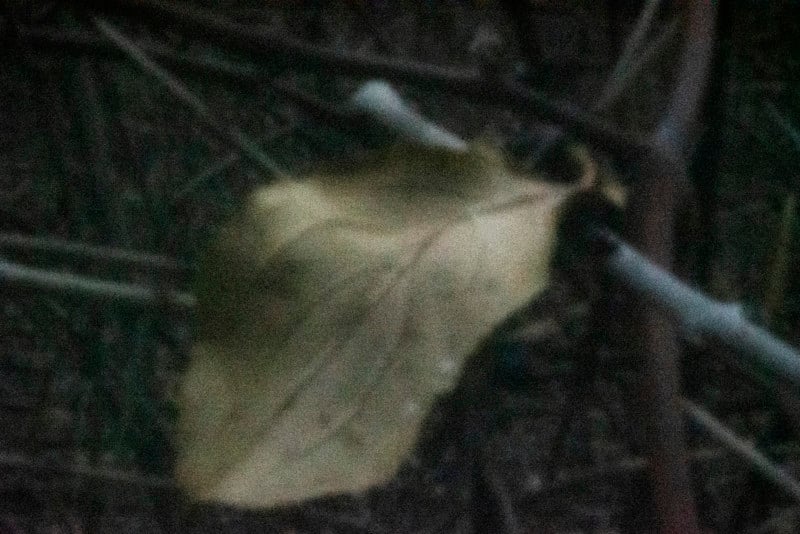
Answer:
(335, 309)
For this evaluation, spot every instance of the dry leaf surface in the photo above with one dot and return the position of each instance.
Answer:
(335, 309)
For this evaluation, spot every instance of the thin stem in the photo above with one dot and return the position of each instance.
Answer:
(70, 284)
(742, 449)
(230, 132)
(49, 245)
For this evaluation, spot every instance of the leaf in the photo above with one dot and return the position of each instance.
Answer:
(334, 310)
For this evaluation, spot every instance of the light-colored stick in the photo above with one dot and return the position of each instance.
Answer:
(383, 103)
(698, 314)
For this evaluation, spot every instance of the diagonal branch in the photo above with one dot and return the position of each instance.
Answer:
(71, 284)
(760, 463)
(229, 132)
(55, 246)
(700, 316)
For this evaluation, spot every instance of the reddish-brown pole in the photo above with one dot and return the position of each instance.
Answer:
(651, 218)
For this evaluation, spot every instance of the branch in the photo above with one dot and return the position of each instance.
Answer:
(229, 132)
(49, 245)
(70, 284)
(628, 69)
(699, 315)
(565, 479)
(232, 73)
(742, 449)
(677, 129)
(633, 43)
(504, 92)
(9, 460)
(630, 65)
(380, 101)
(467, 82)
(785, 124)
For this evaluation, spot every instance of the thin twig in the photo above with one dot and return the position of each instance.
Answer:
(625, 71)
(380, 101)
(229, 132)
(217, 167)
(102, 187)
(49, 245)
(497, 499)
(650, 221)
(81, 42)
(741, 448)
(575, 476)
(777, 278)
(786, 125)
(621, 78)
(9, 460)
(505, 92)
(467, 82)
(677, 129)
(70, 284)
(521, 14)
(277, 48)
(636, 38)
(236, 73)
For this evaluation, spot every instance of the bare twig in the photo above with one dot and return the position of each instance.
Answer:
(505, 92)
(81, 42)
(276, 48)
(70, 248)
(70, 284)
(467, 82)
(380, 101)
(636, 38)
(217, 167)
(677, 130)
(498, 500)
(627, 70)
(741, 448)
(228, 131)
(791, 131)
(700, 315)
(777, 280)
(236, 73)
(521, 14)
(573, 476)
(102, 185)
(10, 460)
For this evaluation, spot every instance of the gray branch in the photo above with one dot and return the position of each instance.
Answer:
(71, 284)
(379, 100)
(744, 450)
(699, 315)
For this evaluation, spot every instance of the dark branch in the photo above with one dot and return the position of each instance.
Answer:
(465, 81)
